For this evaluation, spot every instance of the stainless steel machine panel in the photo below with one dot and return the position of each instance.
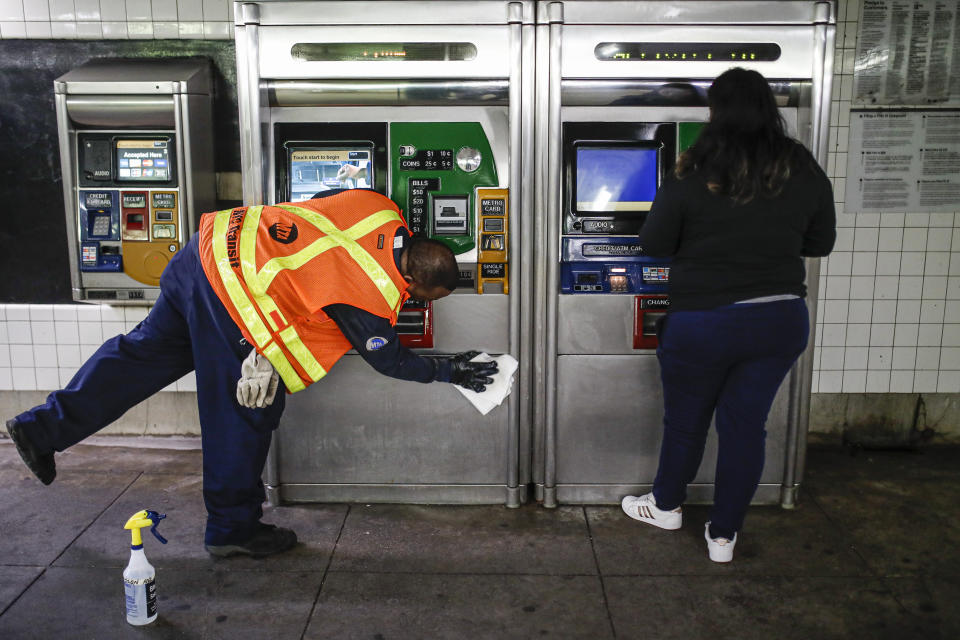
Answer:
(615, 445)
(681, 12)
(410, 433)
(596, 325)
(339, 93)
(126, 77)
(472, 322)
(491, 59)
(608, 441)
(388, 13)
(667, 114)
(134, 111)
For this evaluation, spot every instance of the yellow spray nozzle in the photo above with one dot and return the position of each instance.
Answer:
(137, 520)
(145, 518)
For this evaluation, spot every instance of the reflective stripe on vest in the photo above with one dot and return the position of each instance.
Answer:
(269, 308)
(257, 282)
(248, 312)
(347, 239)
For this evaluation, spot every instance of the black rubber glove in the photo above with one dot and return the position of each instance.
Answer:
(471, 375)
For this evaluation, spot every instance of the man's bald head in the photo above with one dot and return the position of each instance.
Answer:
(430, 267)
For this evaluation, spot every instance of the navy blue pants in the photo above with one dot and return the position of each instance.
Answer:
(727, 361)
(187, 329)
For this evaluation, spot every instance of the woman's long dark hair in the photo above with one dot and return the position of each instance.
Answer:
(744, 150)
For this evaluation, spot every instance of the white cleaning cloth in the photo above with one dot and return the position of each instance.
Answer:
(496, 391)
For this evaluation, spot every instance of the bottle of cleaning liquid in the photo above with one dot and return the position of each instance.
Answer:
(139, 582)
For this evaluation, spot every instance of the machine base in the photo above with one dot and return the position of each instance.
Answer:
(788, 496)
(612, 493)
(549, 497)
(516, 496)
(394, 493)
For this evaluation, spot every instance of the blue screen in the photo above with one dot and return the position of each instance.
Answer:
(620, 179)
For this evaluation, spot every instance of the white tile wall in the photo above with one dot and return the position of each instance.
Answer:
(117, 19)
(42, 345)
(896, 275)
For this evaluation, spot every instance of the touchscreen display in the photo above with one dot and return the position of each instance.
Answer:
(143, 160)
(616, 179)
(313, 171)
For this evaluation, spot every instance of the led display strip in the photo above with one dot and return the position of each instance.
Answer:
(383, 51)
(687, 51)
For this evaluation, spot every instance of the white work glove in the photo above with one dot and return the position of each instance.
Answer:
(258, 382)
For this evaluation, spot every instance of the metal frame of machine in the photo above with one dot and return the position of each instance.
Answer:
(597, 404)
(122, 231)
(588, 395)
(298, 65)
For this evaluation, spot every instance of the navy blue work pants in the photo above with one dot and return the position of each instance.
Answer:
(727, 361)
(187, 329)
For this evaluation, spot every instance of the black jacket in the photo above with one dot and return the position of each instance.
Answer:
(725, 252)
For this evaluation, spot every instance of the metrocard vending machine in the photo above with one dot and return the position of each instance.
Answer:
(137, 157)
(621, 91)
(419, 101)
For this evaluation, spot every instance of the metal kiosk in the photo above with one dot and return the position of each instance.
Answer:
(137, 156)
(420, 101)
(623, 88)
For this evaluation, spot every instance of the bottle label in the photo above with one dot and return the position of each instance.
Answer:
(141, 597)
(151, 598)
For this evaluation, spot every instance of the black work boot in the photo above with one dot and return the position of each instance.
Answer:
(268, 540)
(41, 464)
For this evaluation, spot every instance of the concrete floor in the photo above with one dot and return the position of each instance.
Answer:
(872, 551)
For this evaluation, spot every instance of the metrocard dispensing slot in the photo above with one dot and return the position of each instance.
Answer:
(648, 310)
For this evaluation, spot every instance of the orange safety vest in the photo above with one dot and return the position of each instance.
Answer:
(275, 267)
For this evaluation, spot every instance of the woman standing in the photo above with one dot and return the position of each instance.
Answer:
(743, 207)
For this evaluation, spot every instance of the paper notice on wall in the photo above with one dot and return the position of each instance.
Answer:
(908, 52)
(903, 161)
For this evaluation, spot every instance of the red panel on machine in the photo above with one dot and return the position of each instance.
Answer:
(415, 324)
(647, 310)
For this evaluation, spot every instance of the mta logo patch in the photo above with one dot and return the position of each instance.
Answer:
(283, 233)
(376, 343)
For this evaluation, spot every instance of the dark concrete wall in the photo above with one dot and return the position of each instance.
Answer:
(886, 420)
(33, 238)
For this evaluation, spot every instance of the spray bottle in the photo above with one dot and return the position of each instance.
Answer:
(138, 578)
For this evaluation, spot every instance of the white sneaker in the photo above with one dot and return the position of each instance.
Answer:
(721, 549)
(644, 508)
